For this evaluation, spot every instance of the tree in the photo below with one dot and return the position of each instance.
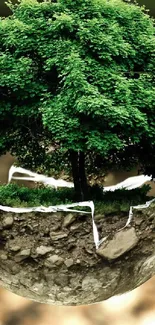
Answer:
(79, 73)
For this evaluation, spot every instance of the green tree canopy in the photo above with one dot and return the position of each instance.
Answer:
(79, 73)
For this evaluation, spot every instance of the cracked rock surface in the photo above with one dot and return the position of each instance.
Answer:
(51, 257)
(122, 241)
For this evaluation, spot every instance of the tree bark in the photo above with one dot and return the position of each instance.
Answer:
(79, 175)
(82, 173)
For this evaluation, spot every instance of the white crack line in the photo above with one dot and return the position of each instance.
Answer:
(56, 208)
(128, 184)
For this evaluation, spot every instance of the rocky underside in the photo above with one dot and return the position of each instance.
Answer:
(51, 257)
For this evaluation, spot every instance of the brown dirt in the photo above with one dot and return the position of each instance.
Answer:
(46, 261)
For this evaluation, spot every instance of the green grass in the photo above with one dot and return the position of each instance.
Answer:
(107, 203)
(20, 196)
(112, 208)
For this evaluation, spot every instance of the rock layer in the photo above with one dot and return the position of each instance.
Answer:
(51, 257)
(121, 242)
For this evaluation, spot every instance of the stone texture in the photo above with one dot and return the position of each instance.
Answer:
(69, 219)
(121, 242)
(149, 264)
(15, 248)
(3, 257)
(69, 262)
(99, 217)
(138, 221)
(8, 221)
(53, 261)
(42, 250)
(62, 279)
(25, 253)
(57, 235)
(75, 227)
(91, 283)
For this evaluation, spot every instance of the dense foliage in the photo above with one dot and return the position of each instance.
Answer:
(78, 74)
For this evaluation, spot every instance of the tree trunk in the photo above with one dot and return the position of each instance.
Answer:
(79, 176)
(82, 173)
